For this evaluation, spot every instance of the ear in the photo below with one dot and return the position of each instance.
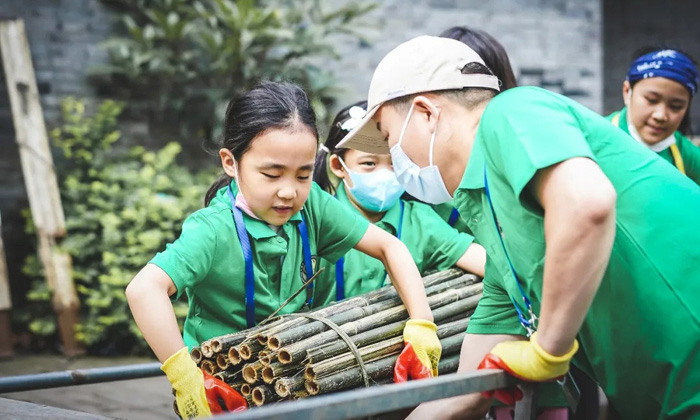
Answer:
(428, 108)
(626, 93)
(335, 166)
(227, 162)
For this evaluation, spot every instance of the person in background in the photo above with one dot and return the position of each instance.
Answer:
(369, 188)
(496, 58)
(657, 93)
(253, 245)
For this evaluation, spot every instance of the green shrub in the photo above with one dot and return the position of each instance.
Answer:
(186, 59)
(122, 205)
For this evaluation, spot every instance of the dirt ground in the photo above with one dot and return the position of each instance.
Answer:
(147, 399)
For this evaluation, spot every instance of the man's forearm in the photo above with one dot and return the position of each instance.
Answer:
(579, 204)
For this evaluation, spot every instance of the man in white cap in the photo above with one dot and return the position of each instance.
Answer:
(589, 241)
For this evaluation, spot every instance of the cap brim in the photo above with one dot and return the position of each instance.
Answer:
(366, 137)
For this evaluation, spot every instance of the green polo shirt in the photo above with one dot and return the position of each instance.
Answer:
(433, 244)
(690, 153)
(207, 263)
(641, 337)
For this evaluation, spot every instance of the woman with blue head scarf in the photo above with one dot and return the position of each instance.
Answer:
(658, 90)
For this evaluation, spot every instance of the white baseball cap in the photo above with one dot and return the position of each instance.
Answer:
(423, 64)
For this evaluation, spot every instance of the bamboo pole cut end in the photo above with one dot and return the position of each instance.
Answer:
(197, 355)
(215, 346)
(273, 343)
(246, 389)
(260, 395)
(262, 338)
(209, 367)
(309, 373)
(234, 356)
(268, 375)
(284, 356)
(207, 350)
(312, 387)
(281, 388)
(222, 361)
(250, 374)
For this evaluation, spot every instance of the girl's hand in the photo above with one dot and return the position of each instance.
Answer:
(420, 358)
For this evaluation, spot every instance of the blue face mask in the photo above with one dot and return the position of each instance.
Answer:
(425, 184)
(376, 191)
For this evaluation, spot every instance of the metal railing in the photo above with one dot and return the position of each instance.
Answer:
(337, 406)
(78, 377)
(387, 398)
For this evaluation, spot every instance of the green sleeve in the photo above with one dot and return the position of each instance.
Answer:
(691, 158)
(495, 313)
(188, 260)
(337, 228)
(530, 129)
(442, 245)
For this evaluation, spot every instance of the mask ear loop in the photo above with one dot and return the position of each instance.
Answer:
(405, 123)
(348, 171)
(432, 142)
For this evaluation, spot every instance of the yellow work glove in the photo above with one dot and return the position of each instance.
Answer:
(419, 359)
(528, 361)
(188, 382)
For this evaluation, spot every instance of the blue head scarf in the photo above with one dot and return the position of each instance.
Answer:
(670, 64)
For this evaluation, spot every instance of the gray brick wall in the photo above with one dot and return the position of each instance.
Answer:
(552, 43)
(630, 25)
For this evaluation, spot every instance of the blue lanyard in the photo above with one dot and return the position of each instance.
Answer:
(453, 217)
(340, 265)
(248, 257)
(530, 324)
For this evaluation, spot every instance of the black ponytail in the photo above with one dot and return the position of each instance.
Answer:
(269, 105)
(335, 135)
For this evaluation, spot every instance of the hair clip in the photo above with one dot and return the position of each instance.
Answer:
(356, 114)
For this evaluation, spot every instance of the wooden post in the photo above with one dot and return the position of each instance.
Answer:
(39, 177)
(5, 304)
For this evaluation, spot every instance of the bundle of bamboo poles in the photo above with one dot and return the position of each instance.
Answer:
(295, 357)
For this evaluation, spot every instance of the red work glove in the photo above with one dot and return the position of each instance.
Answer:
(408, 365)
(221, 397)
(527, 361)
(507, 396)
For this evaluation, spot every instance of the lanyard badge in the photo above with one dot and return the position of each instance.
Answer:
(530, 322)
(247, 249)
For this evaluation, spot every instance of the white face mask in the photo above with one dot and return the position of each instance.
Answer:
(425, 184)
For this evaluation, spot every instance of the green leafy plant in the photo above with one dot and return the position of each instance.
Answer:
(122, 205)
(187, 59)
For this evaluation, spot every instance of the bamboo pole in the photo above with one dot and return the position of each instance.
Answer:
(448, 364)
(209, 366)
(276, 370)
(248, 349)
(344, 360)
(5, 304)
(231, 378)
(246, 389)
(267, 358)
(196, 355)
(283, 338)
(289, 385)
(234, 356)
(317, 354)
(40, 178)
(222, 361)
(352, 377)
(252, 372)
(296, 351)
(206, 350)
(367, 299)
(263, 394)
